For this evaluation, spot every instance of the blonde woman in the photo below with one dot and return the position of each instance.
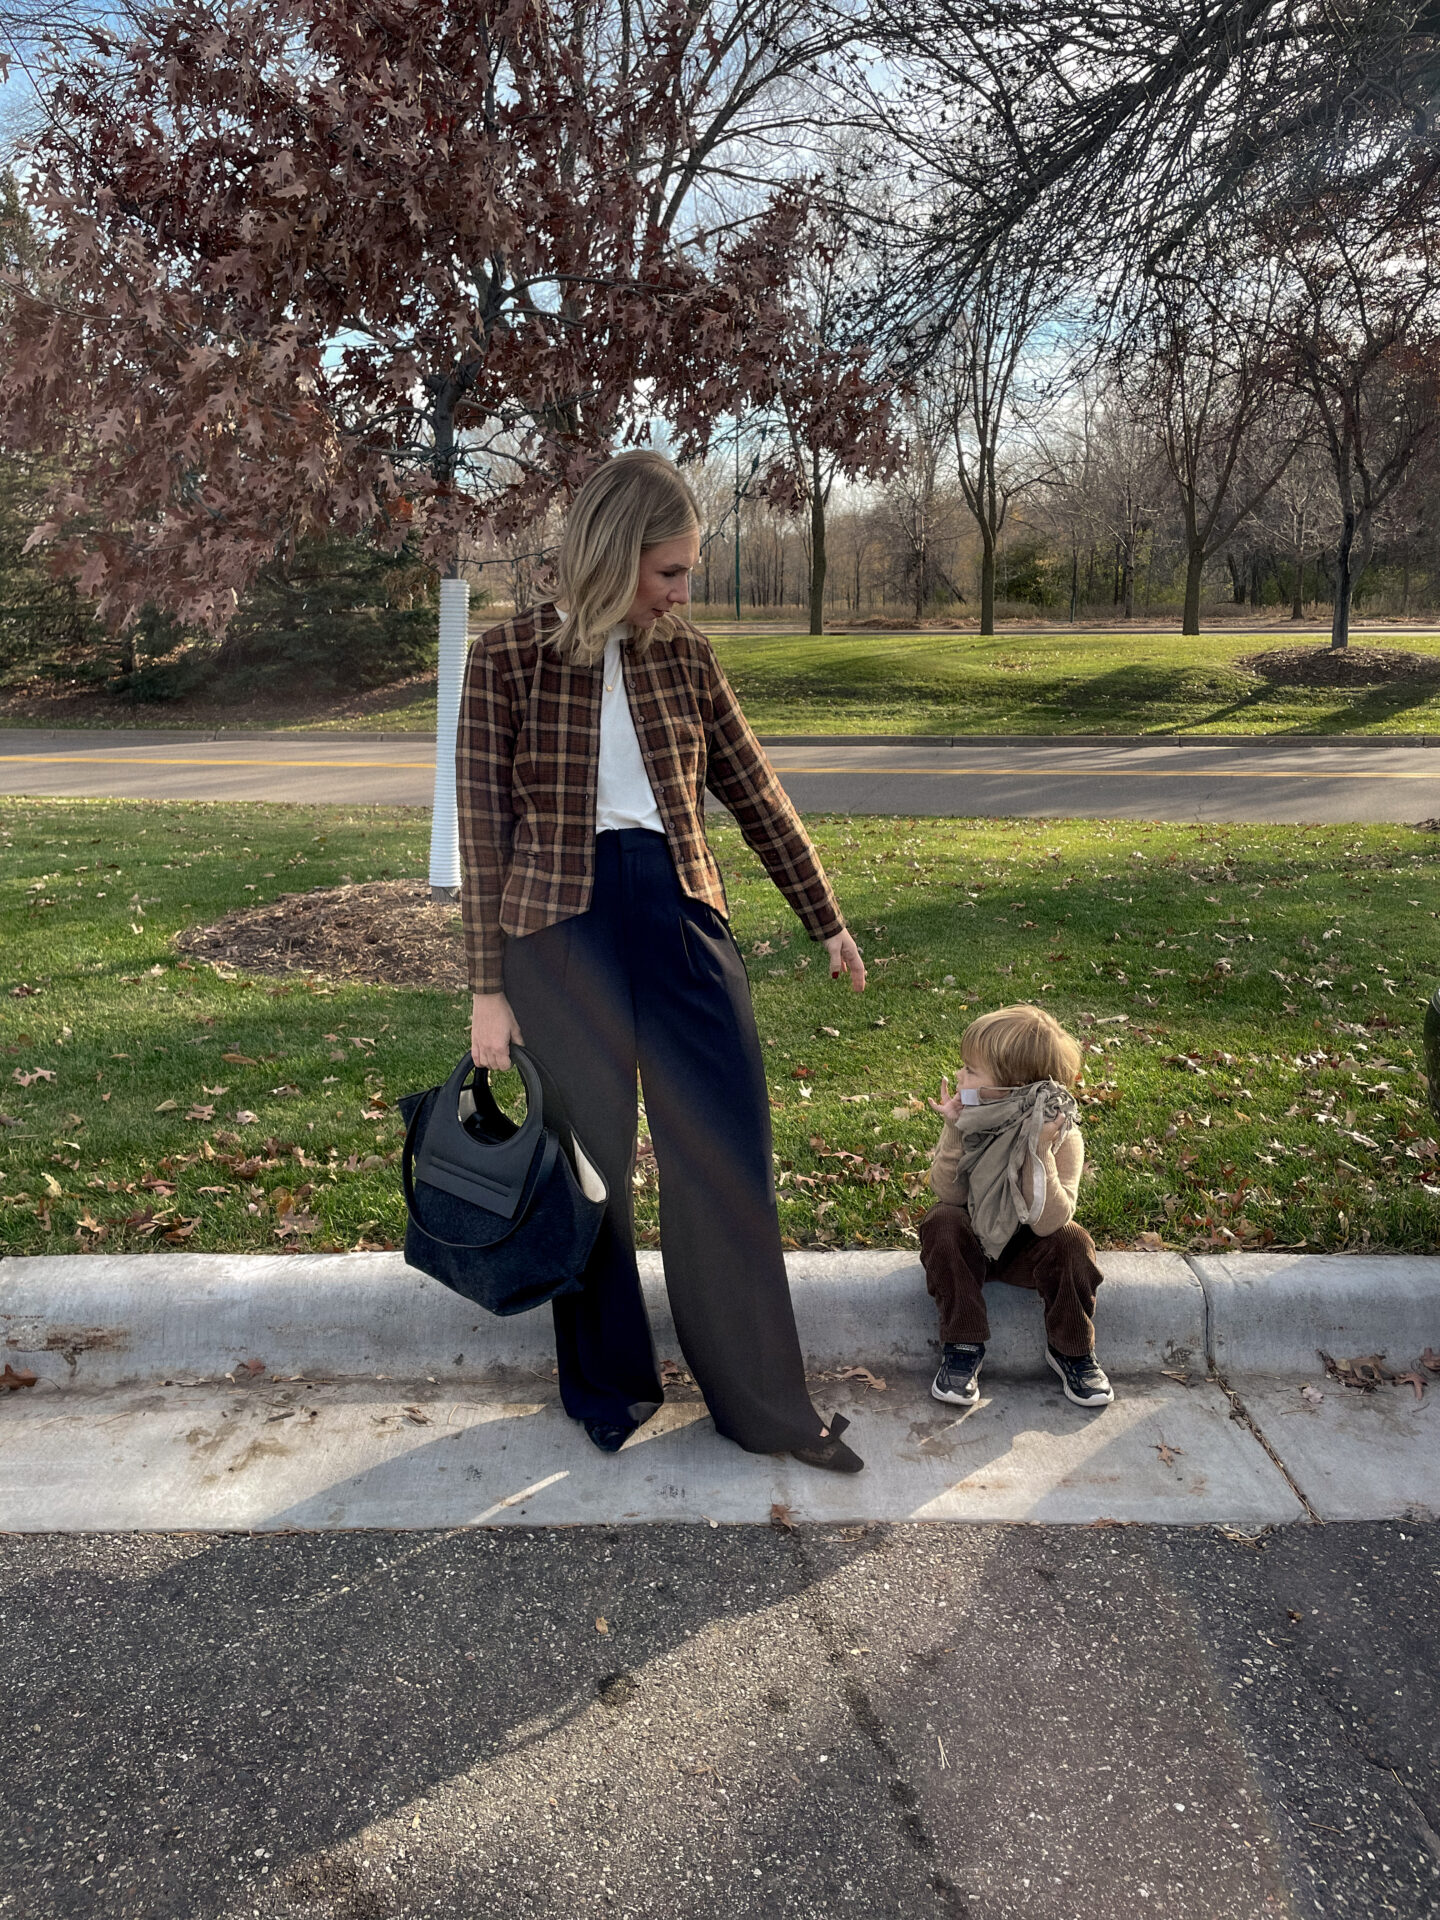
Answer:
(597, 932)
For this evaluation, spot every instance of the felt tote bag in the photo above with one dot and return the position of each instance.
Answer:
(505, 1214)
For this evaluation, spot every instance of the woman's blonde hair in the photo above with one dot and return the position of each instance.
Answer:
(634, 501)
(1021, 1045)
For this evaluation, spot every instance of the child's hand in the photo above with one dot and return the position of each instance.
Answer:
(949, 1103)
(1050, 1134)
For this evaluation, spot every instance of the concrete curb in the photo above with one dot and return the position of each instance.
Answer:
(102, 1321)
(1269, 1312)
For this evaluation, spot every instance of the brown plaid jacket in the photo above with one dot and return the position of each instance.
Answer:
(526, 763)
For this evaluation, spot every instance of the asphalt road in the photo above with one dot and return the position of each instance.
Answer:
(687, 1723)
(1253, 781)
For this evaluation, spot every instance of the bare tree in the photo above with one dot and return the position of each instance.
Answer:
(1363, 338)
(979, 370)
(1200, 362)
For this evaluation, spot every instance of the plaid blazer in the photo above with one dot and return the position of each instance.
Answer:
(526, 765)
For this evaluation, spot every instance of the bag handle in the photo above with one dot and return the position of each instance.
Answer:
(407, 1177)
(490, 1172)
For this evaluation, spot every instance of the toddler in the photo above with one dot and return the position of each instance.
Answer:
(1006, 1176)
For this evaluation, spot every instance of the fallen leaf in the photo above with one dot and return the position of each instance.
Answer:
(251, 1367)
(781, 1518)
(167, 1106)
(201, 1113)
(1167, 1453)
(863, 1373)
(1312, 1394)
(244, 1117)
(1430, 1360)
(1415, 1380)
(602, 1625)
(52, 1186)
(375, 1113)
(12, 1381)
(240, 1059)
(24, 1079)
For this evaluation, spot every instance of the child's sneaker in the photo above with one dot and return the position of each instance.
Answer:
(957, 1381)
(1082, 1377)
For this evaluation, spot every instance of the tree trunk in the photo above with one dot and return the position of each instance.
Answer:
(1344, 584)
(987, 581)
(817, 549)
(1297, 601)
(1194, 571)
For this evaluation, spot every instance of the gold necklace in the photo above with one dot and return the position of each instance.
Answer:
(610, 685)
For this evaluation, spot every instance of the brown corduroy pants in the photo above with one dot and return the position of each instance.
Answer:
(1059, 1266)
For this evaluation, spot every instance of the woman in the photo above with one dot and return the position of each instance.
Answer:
(597, 935)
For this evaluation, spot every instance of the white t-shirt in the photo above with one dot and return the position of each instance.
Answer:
(624, 796)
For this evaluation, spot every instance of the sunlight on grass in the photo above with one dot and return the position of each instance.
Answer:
(1250, 999)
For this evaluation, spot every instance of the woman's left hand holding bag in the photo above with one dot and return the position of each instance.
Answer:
(492, 1027)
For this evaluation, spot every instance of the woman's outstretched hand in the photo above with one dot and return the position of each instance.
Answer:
(845, 958)
(492, 1027)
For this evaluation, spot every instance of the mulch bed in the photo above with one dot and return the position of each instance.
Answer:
(1323, 666)
(384, 932)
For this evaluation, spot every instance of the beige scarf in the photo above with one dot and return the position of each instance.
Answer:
(999, 1138)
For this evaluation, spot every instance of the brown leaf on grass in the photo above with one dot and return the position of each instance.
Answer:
(23, 1079)
(781, 1518)
(239, 1060)
(372, 1113)
(11, 1380)
(201, 1113)
(180, 1230)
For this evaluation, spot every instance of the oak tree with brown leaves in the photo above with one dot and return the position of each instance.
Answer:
(407, 267)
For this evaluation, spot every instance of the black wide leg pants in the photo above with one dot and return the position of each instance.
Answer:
(650, 978)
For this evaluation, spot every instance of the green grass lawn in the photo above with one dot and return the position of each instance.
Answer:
(1052, 683)
(1249, 997)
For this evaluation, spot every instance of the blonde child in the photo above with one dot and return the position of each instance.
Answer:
(1006, 1176)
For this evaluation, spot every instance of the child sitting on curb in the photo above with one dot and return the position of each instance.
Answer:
(1006, 1176)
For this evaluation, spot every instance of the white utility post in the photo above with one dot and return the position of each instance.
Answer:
(444, 821)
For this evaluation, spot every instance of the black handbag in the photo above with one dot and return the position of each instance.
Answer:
(502, 1213)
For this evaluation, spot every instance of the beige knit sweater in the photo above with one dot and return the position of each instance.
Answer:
(1063, 1166)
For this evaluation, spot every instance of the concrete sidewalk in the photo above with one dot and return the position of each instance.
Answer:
(383, 1400)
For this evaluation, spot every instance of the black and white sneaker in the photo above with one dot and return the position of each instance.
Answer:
(958, 1379)
(1082, 1377)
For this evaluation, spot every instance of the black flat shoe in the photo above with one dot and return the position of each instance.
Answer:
(831, 1453)
(609, 1439)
